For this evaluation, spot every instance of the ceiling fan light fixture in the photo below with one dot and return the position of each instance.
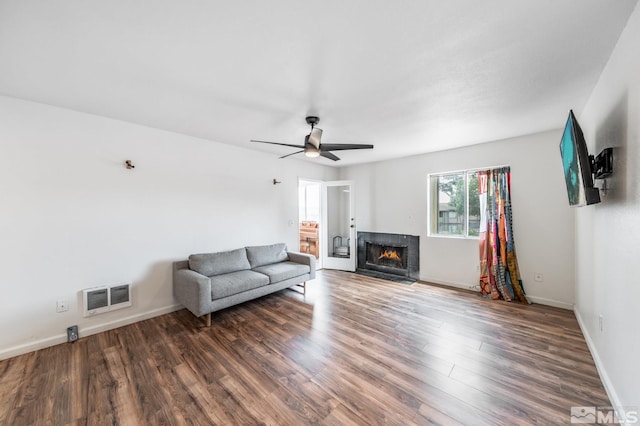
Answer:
(311, 152)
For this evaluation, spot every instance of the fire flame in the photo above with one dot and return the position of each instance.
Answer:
(390, 255)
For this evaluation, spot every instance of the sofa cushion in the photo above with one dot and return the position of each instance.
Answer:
(266, 255)
(283, 271)
(210, 264)
(236, 282)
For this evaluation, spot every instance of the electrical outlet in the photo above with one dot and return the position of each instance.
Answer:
(538, 276)
(62, 306)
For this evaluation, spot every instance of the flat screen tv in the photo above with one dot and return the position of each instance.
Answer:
(577, 165)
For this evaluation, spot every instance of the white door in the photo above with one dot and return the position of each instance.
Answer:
(338, 243)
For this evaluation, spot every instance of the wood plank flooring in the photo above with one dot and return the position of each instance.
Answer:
(354, 350)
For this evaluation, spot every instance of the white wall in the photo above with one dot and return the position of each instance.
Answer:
(72, 217)
(608, 243)
(391, 196)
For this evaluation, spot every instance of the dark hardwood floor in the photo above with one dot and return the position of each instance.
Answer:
(355, 350)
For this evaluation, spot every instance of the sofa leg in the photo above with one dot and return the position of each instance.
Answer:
(304, 287)
(207, 319)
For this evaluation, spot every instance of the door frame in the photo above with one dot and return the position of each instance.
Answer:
(319, 264)
(326, 244)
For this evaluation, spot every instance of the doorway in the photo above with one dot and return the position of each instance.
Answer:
(327, 223)
(309, 216)
(338, 237)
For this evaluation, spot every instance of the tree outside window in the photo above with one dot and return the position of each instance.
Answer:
(455, 204)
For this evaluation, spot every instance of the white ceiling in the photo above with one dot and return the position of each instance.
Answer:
(409, 76)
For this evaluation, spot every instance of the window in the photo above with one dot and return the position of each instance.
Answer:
(454, 204)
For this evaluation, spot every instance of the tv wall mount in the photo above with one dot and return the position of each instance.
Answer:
(602, 164)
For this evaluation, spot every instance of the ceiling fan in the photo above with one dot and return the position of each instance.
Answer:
(312, 146)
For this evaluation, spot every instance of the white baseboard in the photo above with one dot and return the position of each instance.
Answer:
(99, 328)
(551, 302)
(602, 372)
(534, 299)
(463, 286)
(84, 332)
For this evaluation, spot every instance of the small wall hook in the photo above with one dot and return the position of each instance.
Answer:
(275, 182)
(128, 165)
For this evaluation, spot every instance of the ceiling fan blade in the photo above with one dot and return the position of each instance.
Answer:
(293, 153)
(329, 155)
(277, 143)
(343, 146)
(314, 137)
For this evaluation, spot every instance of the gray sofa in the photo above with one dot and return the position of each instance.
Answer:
(209, 282)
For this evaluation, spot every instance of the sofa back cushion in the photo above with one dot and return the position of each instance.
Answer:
(266, 255)
(211, 264)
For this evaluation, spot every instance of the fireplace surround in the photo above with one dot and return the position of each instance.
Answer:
(389, 255)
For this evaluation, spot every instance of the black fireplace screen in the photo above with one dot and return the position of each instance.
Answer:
(386, 255)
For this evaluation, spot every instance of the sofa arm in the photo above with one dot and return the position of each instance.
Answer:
(192, 290)
(305, 259)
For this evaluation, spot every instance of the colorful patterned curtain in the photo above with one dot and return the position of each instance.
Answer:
(499, 274)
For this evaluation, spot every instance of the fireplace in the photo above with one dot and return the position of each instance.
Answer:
(389, 255)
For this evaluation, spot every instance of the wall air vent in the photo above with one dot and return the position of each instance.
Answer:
(98, 300)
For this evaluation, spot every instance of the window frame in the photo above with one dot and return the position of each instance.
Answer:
(433, 208)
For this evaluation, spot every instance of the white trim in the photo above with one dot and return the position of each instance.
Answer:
(84, 332)
(320, 218)
(331, 262)
(551, 302)
(475, 169)
(432, 191)
(454, 237)
(463, 286)
(604, 377)
(474, 287)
